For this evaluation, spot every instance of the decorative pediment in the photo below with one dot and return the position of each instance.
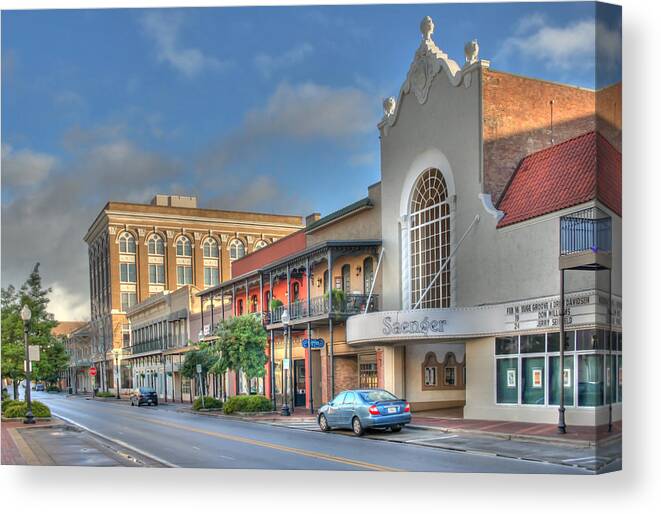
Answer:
(429, 61)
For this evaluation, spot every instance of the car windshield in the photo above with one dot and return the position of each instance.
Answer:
(145, 390)
(377, 396)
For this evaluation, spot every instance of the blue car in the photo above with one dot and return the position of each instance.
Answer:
(364, 408)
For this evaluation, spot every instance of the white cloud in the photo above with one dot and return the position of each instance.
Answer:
(24, 167)
(66, 305)
(312, 110)
(164, 29)
(564, 48)
(268, 64)
(47, 224)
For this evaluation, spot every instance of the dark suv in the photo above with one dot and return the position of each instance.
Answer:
(143, 395)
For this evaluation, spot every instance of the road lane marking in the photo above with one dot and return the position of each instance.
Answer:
(274, 446)
(119, 442)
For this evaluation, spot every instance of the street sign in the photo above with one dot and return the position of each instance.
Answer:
(285, 363)
(92, 371)
(312, 343)
(33, 352)
(198, 367)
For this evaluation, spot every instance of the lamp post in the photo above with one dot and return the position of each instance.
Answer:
(26, 314)
(116, 352)
(285, 323)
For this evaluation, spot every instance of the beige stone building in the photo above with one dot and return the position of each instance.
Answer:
(138, 250)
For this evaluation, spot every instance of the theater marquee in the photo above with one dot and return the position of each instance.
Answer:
(581, 309)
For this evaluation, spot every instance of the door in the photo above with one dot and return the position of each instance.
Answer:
(299, 383)
(347, 409)
(333, 413)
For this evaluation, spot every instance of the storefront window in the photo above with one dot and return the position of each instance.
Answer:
(611, 378)
(619, 378)
(590, 380)
(568, 380)
(532, 380)
(506, 345)
(507, 381)
(554, 338)
(592, 339)
(534, 343)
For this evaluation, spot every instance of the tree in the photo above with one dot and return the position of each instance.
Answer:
(192, 359)
(41, 324)
(240, 346)
(54, 359)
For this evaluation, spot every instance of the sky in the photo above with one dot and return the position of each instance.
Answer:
(271, 109)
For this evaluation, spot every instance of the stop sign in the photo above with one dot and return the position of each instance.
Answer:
(92, 371)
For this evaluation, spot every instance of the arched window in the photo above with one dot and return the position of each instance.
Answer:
(295, 289)
(260, 244)
(368, 274)
(237, 249)
(155, 245)
(346, 278)
(253, 303)
(184, 247)
(126, 243)
(429, 216)
(210, 248)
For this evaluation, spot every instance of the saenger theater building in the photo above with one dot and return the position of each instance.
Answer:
(499, 195)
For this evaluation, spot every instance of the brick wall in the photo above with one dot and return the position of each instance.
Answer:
(346, 373)
(517, 120)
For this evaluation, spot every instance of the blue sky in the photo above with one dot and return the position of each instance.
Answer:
(267, 109)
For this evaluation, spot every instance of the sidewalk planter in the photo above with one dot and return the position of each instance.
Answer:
(210, 404)
(247, 405)
(18, 409)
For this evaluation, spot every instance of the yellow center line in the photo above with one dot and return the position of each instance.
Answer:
(273, 446)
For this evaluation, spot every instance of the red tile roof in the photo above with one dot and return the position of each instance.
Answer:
(570, 173)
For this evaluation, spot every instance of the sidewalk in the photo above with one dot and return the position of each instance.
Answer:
(55, 443)
(576, 436)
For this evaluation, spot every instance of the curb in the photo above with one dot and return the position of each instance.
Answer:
(576, 443)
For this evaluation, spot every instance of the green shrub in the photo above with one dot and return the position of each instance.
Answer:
(20, 409)
(209, 403)
(105, 394)
(52, 389)
(275, 303)
(5, 395)
(246, 403)
(6, 403)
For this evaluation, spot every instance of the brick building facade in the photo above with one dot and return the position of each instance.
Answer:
(136, 250)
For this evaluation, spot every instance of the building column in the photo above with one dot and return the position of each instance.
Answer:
(394, 370)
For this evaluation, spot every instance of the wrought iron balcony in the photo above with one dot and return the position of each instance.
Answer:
(586, 240)
(343, 306)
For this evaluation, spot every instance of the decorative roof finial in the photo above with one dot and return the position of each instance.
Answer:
(427, 28)
(389, 105)
(471, 51)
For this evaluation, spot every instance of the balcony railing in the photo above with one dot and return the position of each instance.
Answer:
(589, 230)
(344, 305)
(153, 345)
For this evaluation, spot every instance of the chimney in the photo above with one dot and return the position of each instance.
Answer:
(311, 218)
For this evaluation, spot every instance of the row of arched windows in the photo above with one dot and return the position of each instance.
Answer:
(184, 247)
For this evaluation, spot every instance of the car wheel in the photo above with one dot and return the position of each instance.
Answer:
(396, 428)
(357, 426)
(323, 423)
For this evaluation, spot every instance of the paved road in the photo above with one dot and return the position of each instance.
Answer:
(189, 440)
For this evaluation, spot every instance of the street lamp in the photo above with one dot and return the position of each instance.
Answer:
(26, 314)
(116, 352)
(285, 323)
